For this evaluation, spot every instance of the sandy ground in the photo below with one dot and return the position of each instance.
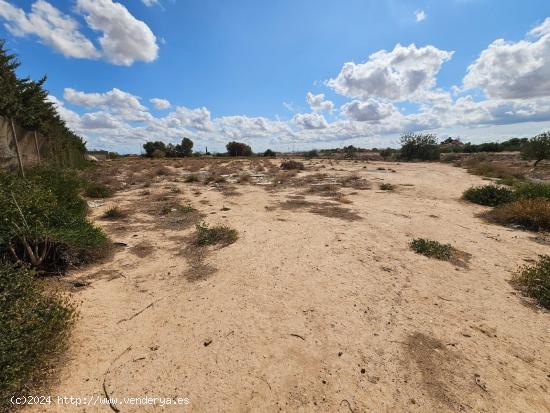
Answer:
(307, 312)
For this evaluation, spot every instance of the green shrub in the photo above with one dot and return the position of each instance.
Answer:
(534, 280)
(489, 195)
(33, 328)
(311, 154)
(422, 147)
(533, 190)
(216, 235)
(98, 190)
(533, 214)
(432, 249)
(37, 228)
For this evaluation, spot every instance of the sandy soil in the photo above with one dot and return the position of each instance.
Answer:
(313, 308)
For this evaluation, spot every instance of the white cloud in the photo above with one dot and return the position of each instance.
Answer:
(310, 121)
(514, 70)
(124, 38)
(150, 3)
(405, 73)
(318, 103)
(370, 110)
(420, 15)
(192, 118)
(55, 29)
(160, 104)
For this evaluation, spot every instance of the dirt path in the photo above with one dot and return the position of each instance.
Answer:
(307, 312)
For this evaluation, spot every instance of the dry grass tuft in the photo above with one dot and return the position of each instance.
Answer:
(533, 214)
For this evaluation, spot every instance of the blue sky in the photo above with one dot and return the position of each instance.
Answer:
(243, 69)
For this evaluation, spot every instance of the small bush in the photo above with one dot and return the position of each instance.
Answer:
(98, 190)
(216, 235)
(33, 328)
(192, 178)
(432, 249)
(115, 213)
(533, 190)
(270, 153)
(387, 187)
(292, 165)
(311, 154)
(534, 280)
(489, 195)
(533, 214)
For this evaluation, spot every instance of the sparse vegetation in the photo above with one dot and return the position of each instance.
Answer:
(292, 165)
(533, 214)
(33, 329)
(489, 195)
(115, 213)
(221, 234)
(192, 178)
(432, 249)
(534, 280)
(98, 190)
(387, 187)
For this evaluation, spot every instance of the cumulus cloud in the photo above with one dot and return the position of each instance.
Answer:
(55, 29)
(420, 15)
(367, 111)
(160, 104)
(198, 118)
(514, 70)
(318, 103)
(405, 73)
(124, 38)
(310, 121)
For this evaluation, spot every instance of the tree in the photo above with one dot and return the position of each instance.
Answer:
(270, 153)
(10, 97)
(186, 147)
(537, 148)
(421, 147)
(238, 149)
(151, 147)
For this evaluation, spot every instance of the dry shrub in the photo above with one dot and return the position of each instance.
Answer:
(292, 165)
(355, 182)
(533, 214)
(115, 213)
(163, 171)
(142, 249)
(243, 178)
(492, 169)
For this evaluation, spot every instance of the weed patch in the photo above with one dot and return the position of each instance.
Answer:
(534, 280)
(292, 165)
(33, 329)
(218, 235)
(432, 249)
(387, 187)
(114, 213)
(98, 190)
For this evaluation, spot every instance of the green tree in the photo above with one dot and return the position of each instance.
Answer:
(537, 148)
(151, 147)
(421, 147)
(185, 148)
(238, 149)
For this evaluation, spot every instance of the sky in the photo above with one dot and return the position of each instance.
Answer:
(287, 74)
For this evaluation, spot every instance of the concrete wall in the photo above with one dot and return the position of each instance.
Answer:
(27, 147)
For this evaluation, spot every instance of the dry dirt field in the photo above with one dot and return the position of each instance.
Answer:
(319, 306)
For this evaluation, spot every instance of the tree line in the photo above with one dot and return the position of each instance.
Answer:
(25, 102)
